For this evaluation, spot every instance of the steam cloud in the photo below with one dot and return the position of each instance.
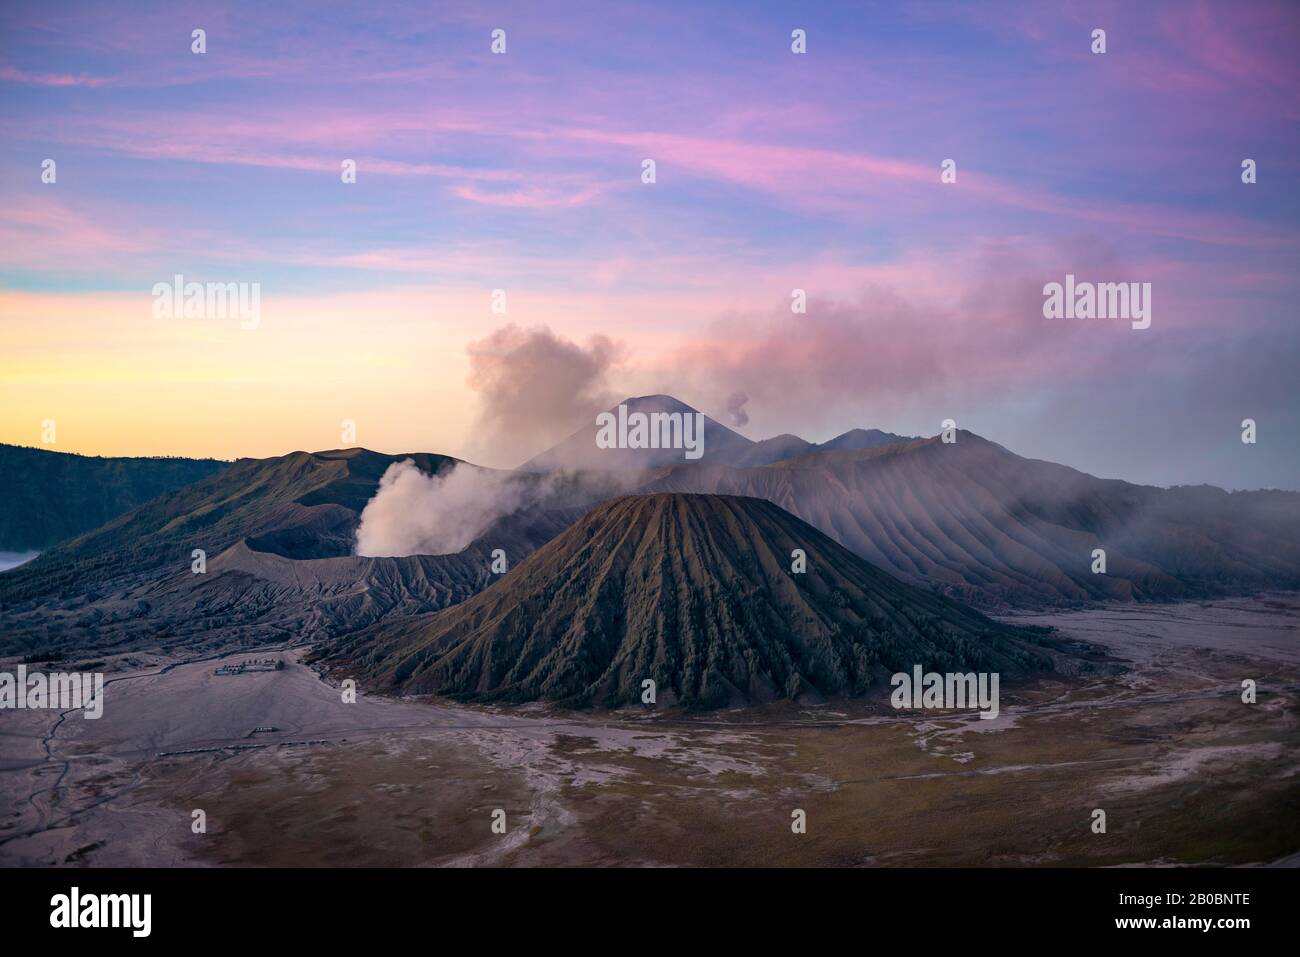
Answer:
(736, 409)
(418, 514)
(898, 347)
(535, 389)
(892, 350)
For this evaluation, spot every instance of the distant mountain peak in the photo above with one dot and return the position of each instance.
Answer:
(862, 439)
(722, 446)
(582, 449)
(658, 402)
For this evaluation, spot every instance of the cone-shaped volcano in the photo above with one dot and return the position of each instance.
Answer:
(697, 593)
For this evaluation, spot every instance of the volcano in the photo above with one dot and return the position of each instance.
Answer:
(990, 528)
(719, 446)
(582, 451)
(698, 594)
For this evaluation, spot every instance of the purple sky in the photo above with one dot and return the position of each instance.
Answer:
(775, 171)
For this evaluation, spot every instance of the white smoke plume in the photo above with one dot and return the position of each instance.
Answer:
(534, 389)
(418, 514)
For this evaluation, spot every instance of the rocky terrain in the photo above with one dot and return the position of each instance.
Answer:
(706, 595)
(968, 520)
(997, 530)
(278, 536)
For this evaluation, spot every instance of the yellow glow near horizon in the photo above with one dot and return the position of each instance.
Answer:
(117, 381)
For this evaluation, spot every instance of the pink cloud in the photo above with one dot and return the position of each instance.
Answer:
(532, 197)
(12, 75)
(39, 231)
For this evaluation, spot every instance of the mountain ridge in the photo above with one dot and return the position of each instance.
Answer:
(970, 520)
(721, 445)
(985, 525)
(248, 498)
(694, 592)
(50, 496)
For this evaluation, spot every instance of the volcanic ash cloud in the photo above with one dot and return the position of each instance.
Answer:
(418, 514)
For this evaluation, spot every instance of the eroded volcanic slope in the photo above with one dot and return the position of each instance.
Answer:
(994, 529)
(695, 592)
(278, 534)
(303, 504)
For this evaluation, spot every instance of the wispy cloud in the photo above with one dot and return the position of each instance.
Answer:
(9, 74)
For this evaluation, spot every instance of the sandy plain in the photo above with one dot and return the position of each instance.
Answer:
(1186, 773)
